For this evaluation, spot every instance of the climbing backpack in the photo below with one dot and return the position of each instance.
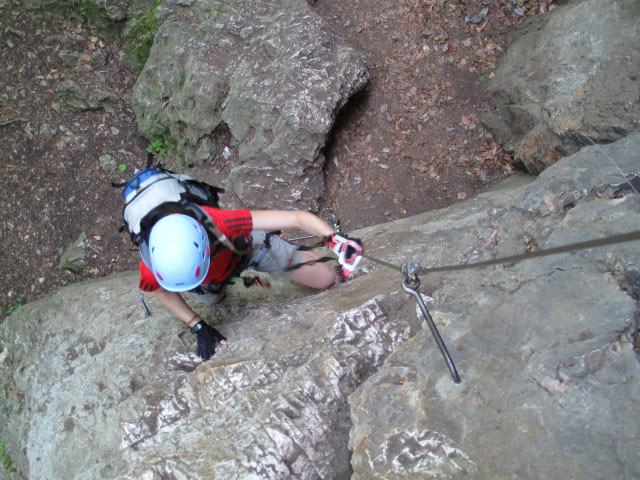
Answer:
(153, 188)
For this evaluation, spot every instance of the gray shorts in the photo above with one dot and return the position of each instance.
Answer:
(273, 262)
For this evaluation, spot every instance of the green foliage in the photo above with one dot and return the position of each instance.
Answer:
(6, 460)
(158, 147)
(96, 16)
(140, 33)
(122, 167)
(17, 304)
(481, 79)
(67, 265)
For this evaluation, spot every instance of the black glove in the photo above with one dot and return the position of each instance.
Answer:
(208, 338)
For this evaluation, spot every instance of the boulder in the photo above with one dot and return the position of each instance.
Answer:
(73, 259)
(263, 79)
(567, 81)
(77, 98)
(349, 382)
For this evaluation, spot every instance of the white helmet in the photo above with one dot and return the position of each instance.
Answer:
(179, 250)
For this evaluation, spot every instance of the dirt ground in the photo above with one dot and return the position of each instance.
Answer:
(409, 143)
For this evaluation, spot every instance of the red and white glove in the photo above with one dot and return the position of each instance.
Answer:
(348, 250)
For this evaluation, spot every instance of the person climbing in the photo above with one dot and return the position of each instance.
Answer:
(190, 245)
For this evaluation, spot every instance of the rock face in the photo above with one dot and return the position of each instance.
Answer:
(545, 347)
(107, 393)
(308, 387)
(570, 75)
(263, 79)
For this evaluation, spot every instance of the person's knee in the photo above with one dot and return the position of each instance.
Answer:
(326, 277)
(319, 276)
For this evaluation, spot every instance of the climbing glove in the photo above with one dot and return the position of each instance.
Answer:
(208, 339)
(349, 251)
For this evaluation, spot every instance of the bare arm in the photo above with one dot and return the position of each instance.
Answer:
(284, 219)
(175, 303)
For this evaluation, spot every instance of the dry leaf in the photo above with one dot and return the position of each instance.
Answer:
(462, 195)
(530, 244)
(466, 121)
(493, 237)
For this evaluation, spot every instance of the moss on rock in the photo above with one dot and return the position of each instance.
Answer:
(138, 38)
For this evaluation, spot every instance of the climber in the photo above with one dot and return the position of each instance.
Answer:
(188, 244)
(182, 260)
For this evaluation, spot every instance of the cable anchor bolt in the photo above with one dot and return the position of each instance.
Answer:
(145, 309)
(410, 284)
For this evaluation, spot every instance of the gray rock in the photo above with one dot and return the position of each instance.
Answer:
(307, 387)
(268, 74)
(18, 33)
(567, 79)
(99, 14)
(108, 163)
(47, 131)
(77, 98)
(29, 130)
(73, 259)
(298, 388)
(66, 38)
(99, 58)
(66, 138)
(69, 58)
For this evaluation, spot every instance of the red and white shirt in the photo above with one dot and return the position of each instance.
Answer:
(233, 224)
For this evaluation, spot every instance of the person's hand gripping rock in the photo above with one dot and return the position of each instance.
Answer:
(208, 339)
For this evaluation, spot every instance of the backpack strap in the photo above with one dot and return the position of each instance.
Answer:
(240, 248)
